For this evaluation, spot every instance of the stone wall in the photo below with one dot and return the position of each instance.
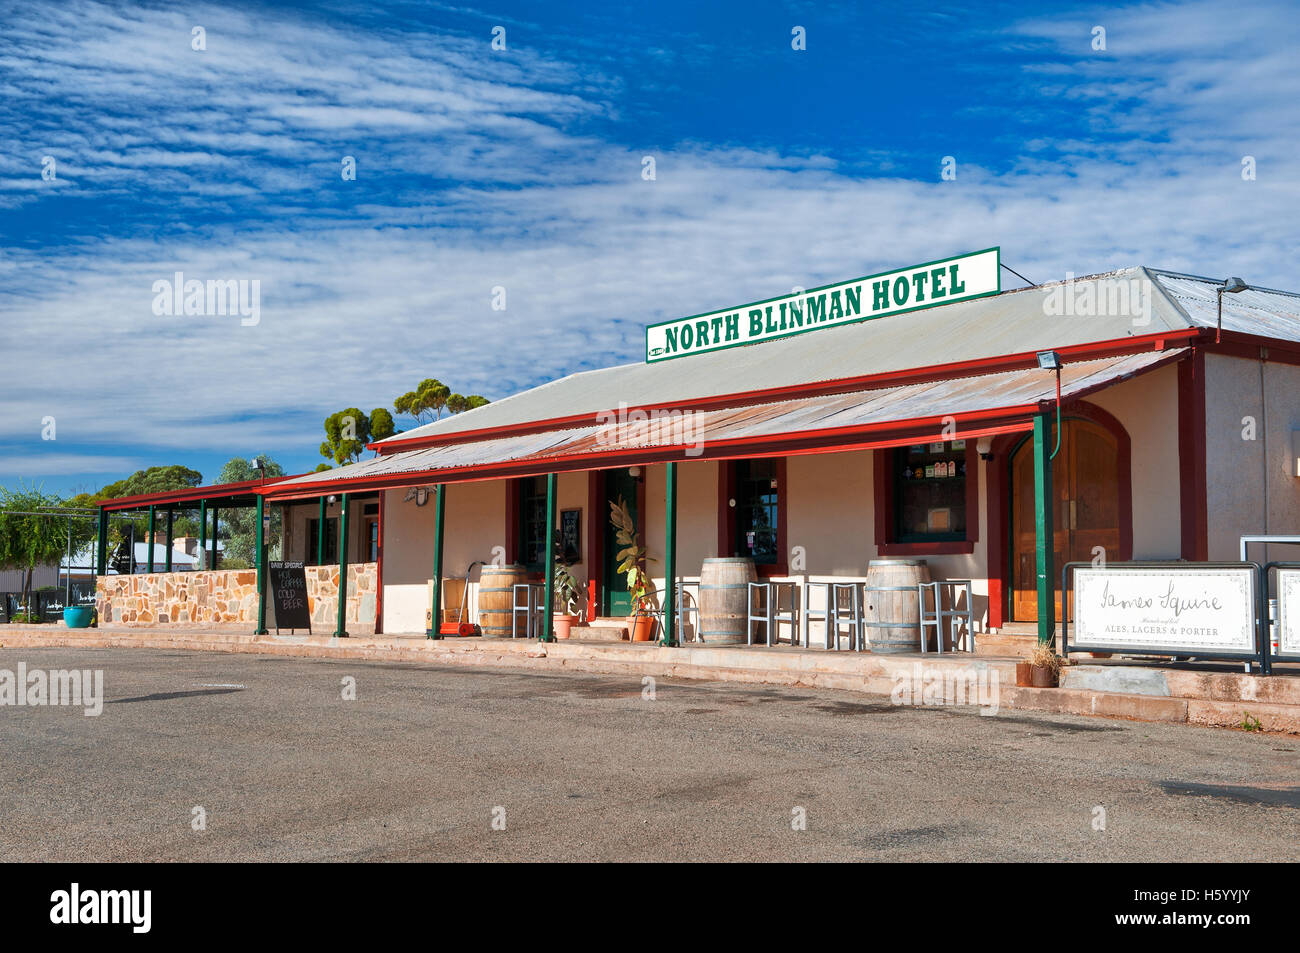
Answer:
(229, 596)
(323, 598)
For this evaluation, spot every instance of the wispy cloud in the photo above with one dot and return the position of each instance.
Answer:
(478, 169)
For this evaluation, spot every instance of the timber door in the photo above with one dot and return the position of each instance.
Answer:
(614, 599)
(1085, 484)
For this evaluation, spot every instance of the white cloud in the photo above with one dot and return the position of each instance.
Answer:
(362, 297)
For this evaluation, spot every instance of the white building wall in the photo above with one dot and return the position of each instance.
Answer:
(1248, 399)
(1147, 406)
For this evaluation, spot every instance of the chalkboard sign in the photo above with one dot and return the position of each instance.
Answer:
(289, 596)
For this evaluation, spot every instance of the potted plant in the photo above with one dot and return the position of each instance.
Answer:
(568, 593)
(1042, 669)
(632, 559)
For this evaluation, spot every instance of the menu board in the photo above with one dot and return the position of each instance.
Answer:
(289, 596)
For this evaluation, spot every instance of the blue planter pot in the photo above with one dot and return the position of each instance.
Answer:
(78, 617)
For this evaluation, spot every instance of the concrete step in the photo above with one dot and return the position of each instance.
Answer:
(600, 631)
(1005, 643)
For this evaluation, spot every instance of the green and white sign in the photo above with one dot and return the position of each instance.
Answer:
(934, 283)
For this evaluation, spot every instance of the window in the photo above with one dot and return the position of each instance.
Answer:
(930, 492)
(532, 523)
(926, 498)
(756, 516)
(372, 538)
(331, 541)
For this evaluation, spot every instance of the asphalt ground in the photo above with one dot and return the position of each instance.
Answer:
(459, 764)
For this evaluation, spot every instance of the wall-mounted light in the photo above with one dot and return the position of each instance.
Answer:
(1051, 361)
(332, 500)
(634, 472)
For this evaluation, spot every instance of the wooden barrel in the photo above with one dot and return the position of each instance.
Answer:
(724, 599)
(496, 593)
(890, 612)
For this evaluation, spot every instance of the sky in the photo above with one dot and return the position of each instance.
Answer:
(142, 140)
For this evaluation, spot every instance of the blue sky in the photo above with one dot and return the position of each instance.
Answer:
(522, 169)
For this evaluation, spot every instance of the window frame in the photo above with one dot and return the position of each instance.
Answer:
(885, 486)
(727, 523)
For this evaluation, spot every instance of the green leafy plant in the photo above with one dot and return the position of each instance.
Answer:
(568, 591)
(632, 557)
(1250, 723)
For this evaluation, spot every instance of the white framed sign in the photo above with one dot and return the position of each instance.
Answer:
(1163, 609)
(929, 285)
(1288, 612)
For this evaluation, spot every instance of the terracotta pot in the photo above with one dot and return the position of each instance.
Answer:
(641, 627)
(563, 623)
(1042, 676)
(1024, 677)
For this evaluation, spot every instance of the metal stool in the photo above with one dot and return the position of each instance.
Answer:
(836, 614)
(531, 607)
(948, 619)
(684, 612)
(770, 614)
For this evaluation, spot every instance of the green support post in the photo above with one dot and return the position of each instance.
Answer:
(215, 528)
(151, 532)
(548, 610)
(1045, 543)
(261, 569)
(320, 535)
(171, 536)
(439, 512)
(203, 529)
(670, 557)
(101, 544)
(341, 632)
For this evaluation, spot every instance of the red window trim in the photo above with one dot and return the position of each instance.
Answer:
(727, 514)
(884, 498)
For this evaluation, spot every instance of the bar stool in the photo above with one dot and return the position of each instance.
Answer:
(843, 607)
(770, 614)
(686, 609)
(531, 606)
(948, 619)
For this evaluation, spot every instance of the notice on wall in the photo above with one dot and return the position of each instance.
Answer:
(1288, 612)
(1162, 609)
(289, 595)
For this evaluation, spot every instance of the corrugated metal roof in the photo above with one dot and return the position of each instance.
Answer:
(1014, 322)
(908, 402)
(1261, 311)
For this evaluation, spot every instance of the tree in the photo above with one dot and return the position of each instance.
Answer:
(427, 400)
(346, 435)
(152, 480)
(381, 424)
(241, 523)
(149, 480)
(458, 403)
(28, 541)
(431, 398)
